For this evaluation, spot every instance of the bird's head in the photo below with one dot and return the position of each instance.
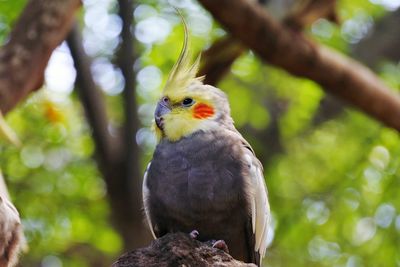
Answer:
(187, 105)
(195, 107)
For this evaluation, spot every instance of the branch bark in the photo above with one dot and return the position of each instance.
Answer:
(178, 249)
(41, 27)
(218, 58)
(275, 44)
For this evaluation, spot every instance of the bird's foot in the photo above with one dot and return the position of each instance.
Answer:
(194, 234)
(220, 244)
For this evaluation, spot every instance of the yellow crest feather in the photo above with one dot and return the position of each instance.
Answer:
(183, 72)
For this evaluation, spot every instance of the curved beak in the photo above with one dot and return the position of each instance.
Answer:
(161, 110)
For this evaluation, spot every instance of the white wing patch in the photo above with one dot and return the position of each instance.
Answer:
(145, 195)
(259, 204)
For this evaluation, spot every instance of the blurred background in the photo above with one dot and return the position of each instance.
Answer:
(333, 174)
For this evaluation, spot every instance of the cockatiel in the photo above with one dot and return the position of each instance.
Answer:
(204, 175)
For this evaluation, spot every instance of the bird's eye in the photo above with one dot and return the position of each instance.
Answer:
(165, 99)
(187, 102)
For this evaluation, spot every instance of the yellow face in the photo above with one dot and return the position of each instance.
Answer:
(182, 114)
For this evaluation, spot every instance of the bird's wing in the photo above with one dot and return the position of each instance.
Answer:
(260, 211)
(145, 195)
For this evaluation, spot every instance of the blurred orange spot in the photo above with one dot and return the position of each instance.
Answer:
(52, 113)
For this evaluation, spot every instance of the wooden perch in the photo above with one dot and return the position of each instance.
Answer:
(278, 45)
(178, 249)
(41, 27)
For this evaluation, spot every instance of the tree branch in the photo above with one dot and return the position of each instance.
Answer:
(41, 27)
(340, 76)
(217, 60)
(178, 249)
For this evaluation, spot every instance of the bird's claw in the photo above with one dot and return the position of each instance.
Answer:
(194, 234)
(220, 244)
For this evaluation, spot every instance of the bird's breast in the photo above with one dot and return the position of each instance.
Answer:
(197, 177)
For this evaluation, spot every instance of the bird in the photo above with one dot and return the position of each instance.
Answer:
(12, 240)
(204, 175)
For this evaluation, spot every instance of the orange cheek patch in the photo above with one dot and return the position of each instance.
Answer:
(202, 111)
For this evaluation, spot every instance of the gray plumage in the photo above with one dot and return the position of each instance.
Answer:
(204, 176)
(198, 183)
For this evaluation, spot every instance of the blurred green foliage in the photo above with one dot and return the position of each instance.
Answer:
(9, 10)
(333, 189)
